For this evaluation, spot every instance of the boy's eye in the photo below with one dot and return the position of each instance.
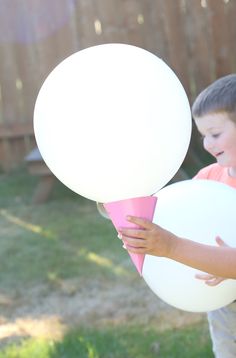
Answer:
(215, 135)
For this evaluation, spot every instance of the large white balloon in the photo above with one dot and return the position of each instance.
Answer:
(113, 122)
(198, 210)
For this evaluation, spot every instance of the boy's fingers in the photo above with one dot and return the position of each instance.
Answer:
(215, 282)
(144, 223)
(135, 250)
(129, 241)
(220, 242)
(204, 276)
(210, 280)
(133, 233)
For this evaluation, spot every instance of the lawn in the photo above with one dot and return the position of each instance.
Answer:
(61, 262)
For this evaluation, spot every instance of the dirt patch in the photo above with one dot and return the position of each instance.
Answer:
(40, 312)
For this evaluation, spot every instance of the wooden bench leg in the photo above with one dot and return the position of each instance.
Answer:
(43, 190)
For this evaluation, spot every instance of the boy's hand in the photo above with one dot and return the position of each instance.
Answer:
(209, 279)
(149, 238)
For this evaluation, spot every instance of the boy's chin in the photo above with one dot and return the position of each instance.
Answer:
(224, 163)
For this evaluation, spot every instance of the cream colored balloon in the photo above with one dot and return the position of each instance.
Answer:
(198, 210)
(113, 122)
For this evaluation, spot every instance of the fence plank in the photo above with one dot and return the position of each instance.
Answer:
(230, 14)
(200, 52)
(11, 97)
(220, 37)
(175, 34)
(156, 39)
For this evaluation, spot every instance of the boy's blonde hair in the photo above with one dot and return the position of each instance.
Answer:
(220, 96)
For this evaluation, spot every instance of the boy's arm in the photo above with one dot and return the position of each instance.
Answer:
(218, 261)
(153, 240)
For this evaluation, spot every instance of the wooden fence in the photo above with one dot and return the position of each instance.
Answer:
(196, 38)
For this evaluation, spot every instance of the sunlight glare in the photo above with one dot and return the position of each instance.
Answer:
(30, 227)
(105, 262)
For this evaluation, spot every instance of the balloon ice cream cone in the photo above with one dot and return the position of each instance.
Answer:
(143, 207)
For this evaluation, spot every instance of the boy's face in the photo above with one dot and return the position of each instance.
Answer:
(219, 137)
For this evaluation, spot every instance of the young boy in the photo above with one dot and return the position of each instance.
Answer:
(214, 112)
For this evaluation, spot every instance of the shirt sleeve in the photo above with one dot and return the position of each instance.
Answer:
(202, 174)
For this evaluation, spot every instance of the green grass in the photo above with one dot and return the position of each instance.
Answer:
(66, 238)
(63, 238)
(121, 342)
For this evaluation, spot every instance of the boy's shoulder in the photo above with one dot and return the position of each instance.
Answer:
(217, 173)
(213, 171)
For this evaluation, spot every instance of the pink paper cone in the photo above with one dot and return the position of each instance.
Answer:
(143, 207)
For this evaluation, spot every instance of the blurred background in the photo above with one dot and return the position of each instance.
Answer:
(64, 281)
